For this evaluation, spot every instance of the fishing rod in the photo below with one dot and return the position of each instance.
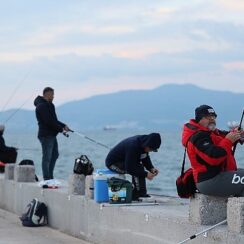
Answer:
(86, 137)
(15, 90)
(128, 204)
(202, 232)
(27, 149)
(17, 110)
(239, 128)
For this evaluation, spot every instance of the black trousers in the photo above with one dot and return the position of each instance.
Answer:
(7, 158)
(225, 184)
(139, 183)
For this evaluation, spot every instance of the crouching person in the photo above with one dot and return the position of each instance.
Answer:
(7, 154)
(131, 156)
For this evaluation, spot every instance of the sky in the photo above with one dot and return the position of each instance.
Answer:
(85, 48)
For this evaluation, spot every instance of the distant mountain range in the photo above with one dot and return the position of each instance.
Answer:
(166, 107)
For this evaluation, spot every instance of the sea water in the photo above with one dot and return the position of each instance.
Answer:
(168, 159)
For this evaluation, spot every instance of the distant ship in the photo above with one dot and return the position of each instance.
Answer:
(109, 127)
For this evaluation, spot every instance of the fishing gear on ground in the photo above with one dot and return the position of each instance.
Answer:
(83, 165)
(203, 232)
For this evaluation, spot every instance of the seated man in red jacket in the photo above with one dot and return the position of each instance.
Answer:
(7, 154)
(211, 156)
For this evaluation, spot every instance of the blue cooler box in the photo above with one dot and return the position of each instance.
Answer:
(100, 184)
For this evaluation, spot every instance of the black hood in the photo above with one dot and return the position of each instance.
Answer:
(152, 141)
(39, 100)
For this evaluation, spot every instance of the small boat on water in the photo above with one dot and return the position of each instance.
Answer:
(109, 127)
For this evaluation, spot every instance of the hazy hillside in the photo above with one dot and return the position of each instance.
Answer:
(166, 107)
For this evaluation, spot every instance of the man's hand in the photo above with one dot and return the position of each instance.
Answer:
(234, 136)
(154, 171)
(150, 175)
(66, 128)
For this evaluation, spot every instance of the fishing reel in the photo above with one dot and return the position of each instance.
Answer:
(65, 133)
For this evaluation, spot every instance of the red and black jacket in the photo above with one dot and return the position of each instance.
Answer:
(209, 151)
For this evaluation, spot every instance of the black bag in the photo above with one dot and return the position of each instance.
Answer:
(28, 162)
(35, 214)
(185, 184)
(83, 165)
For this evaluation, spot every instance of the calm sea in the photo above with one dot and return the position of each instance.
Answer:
(168, 159)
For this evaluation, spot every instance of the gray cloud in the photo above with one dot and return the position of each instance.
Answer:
(81, 41)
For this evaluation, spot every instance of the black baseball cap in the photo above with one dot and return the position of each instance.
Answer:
(203, 110)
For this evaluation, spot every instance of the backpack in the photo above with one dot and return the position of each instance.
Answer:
(185, 183)
(35, 214)
(83, 165)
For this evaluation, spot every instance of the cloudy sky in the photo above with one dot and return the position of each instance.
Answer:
(83, 48)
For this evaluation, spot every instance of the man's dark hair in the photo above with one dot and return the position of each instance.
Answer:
(47, 89)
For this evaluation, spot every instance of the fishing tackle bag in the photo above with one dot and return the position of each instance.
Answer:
(83, 165)
(35, 214)
(185, 183)
(119, 190)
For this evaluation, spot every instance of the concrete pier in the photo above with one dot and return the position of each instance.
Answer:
(12, 232)
(235, 214)
(24, 173)
(77, 184)
(83, 218)
(9, 172)
(207, 210)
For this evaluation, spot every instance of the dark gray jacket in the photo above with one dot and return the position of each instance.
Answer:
(131, 153)
(47, 118)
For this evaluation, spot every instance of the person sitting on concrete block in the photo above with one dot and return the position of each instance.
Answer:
(131, 156)
(7, 154)
(211, 156)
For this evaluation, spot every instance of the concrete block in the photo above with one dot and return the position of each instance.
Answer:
(89, 190)
(9, 172)
(235, 214)
(207, 210)
(77, 184)
(24, 173)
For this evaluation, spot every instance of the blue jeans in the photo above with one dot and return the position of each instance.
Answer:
(49, 155)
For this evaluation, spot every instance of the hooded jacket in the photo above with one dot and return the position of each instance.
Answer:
(47, 118)
(209, 151)
(3, 147)
(131, 153)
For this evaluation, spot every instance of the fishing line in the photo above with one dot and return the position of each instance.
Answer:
(17, 110)
(19, 84)
(27, 149)
(88, 138)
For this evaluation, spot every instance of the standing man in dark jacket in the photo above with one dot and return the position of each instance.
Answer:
(131, 156)
(49, 127)
(7, 154)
